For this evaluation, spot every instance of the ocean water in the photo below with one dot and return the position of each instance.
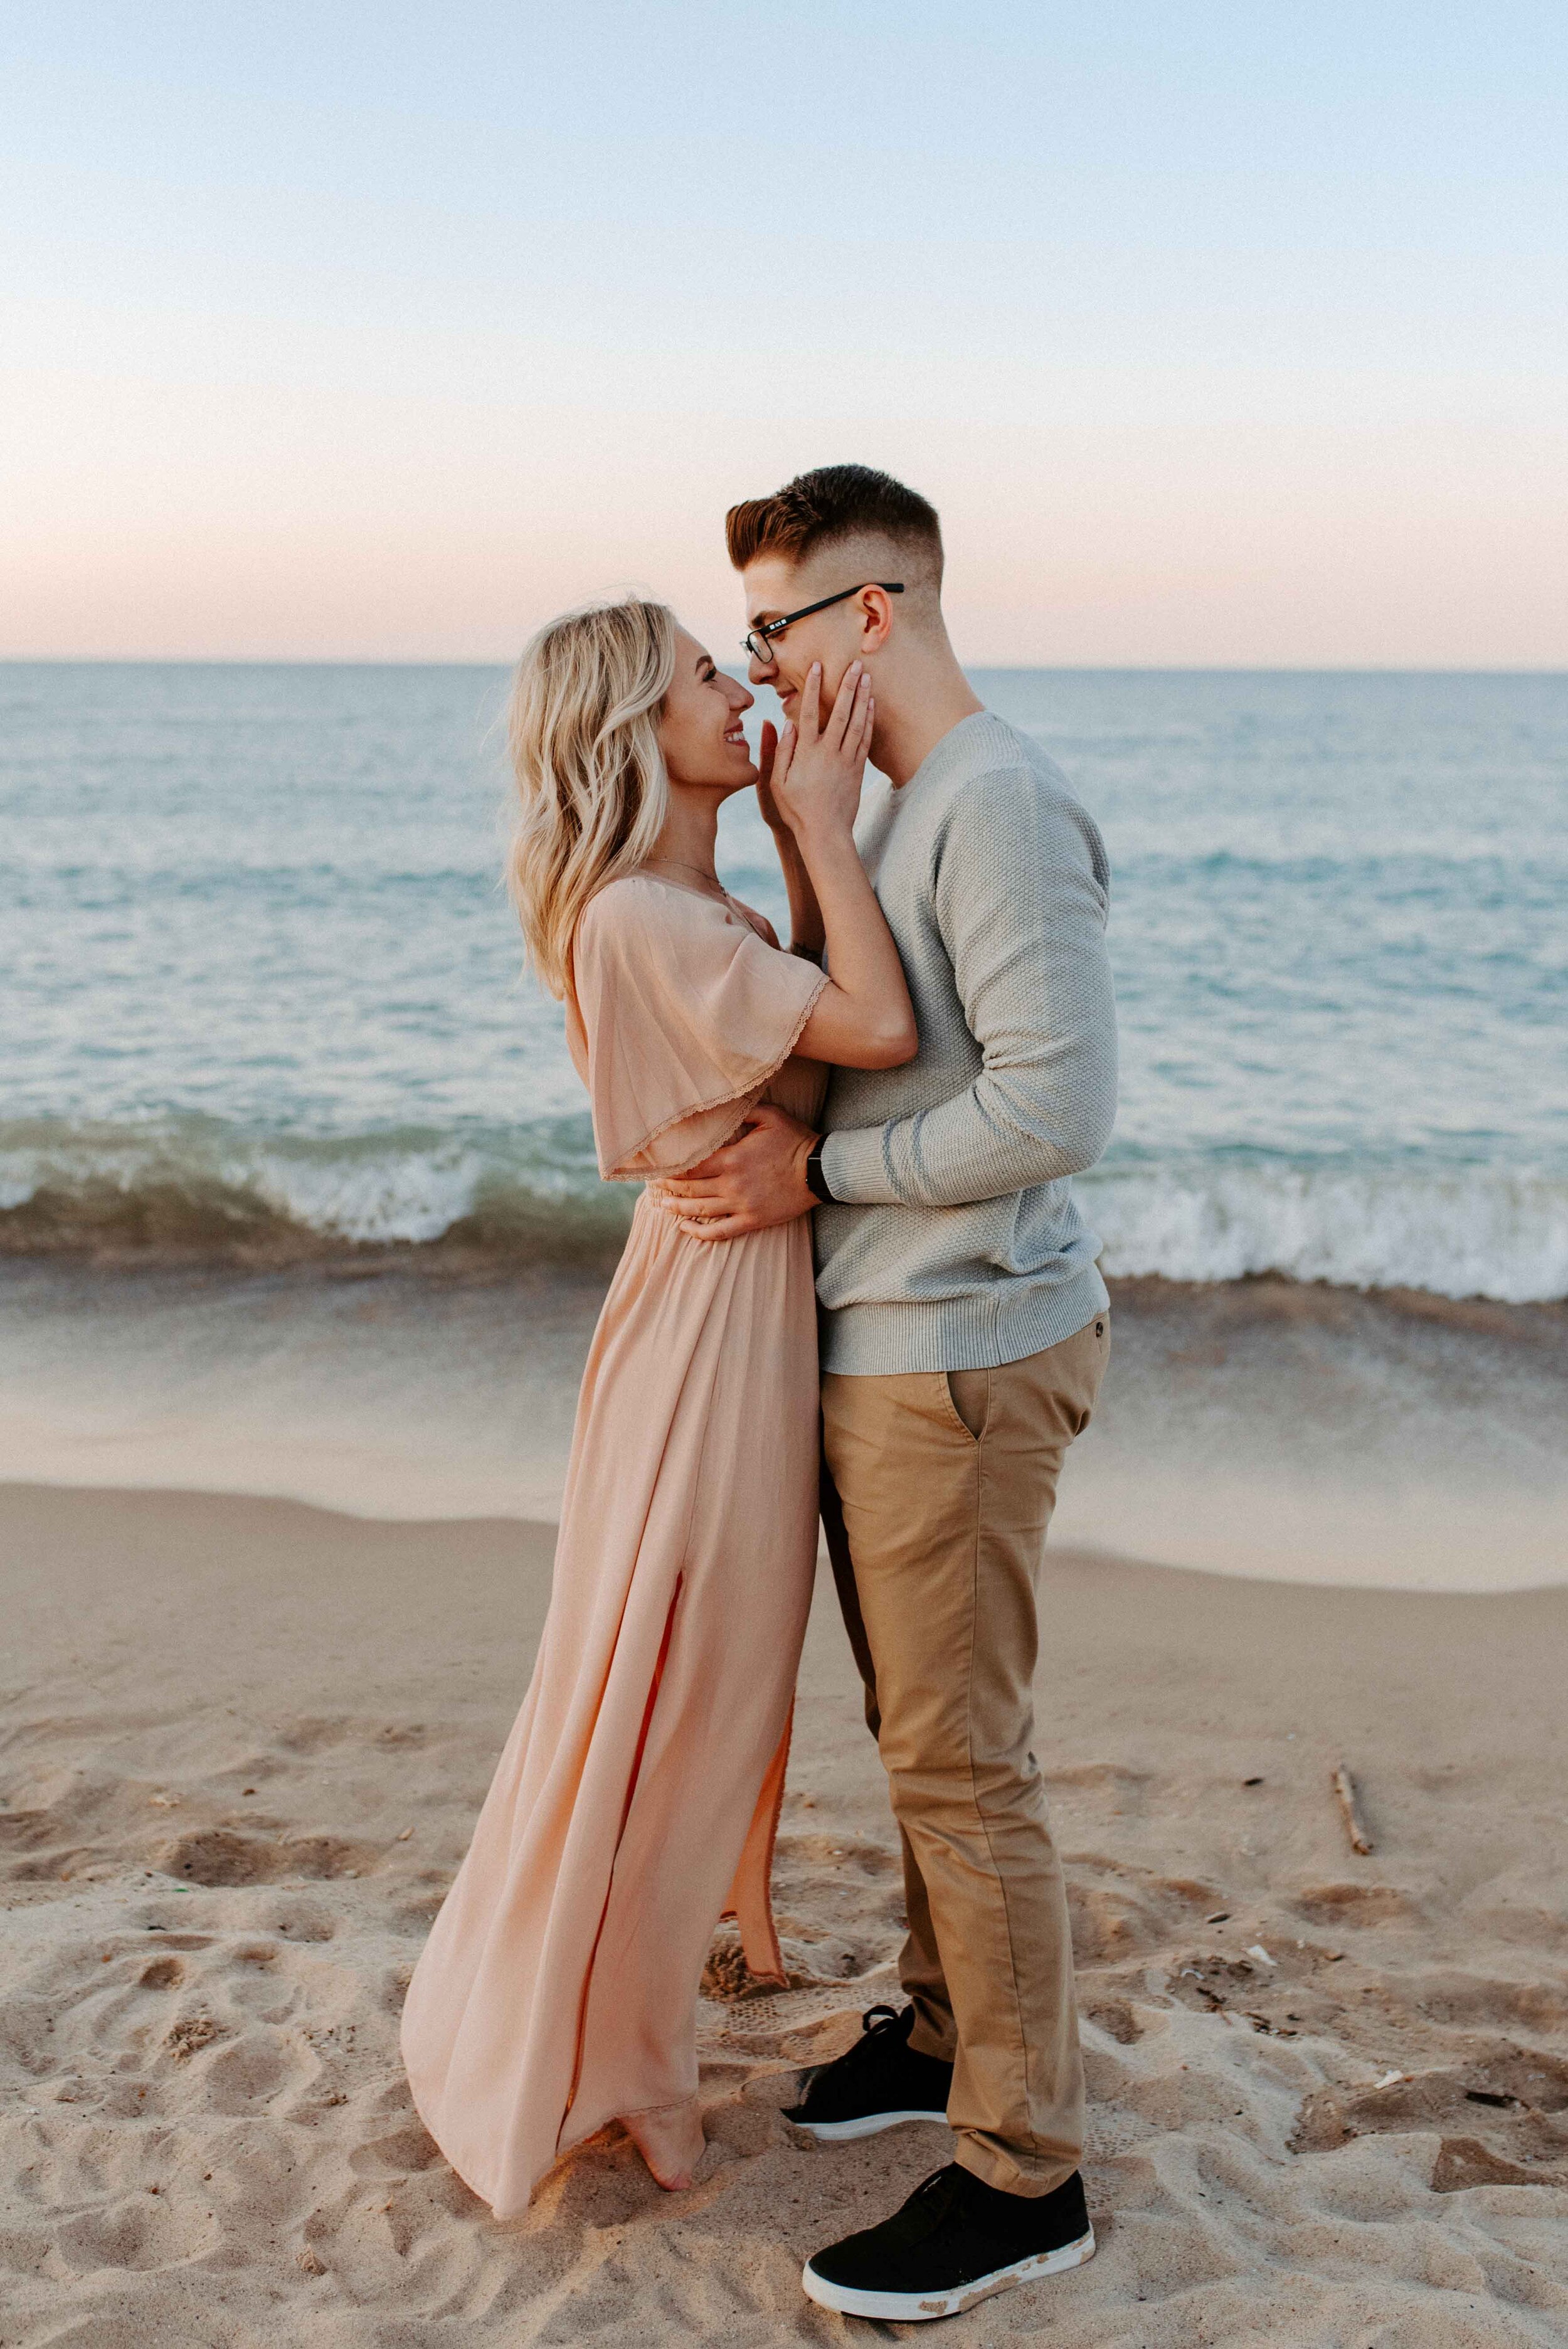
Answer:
(263, 992)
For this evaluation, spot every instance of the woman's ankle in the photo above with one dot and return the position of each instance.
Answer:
(671, 2141)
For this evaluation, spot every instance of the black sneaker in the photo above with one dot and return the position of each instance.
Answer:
(880, 2081)
(955, 2241)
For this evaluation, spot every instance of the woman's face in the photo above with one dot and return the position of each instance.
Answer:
(700, 733)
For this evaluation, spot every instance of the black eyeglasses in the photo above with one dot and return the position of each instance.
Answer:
(759, 641)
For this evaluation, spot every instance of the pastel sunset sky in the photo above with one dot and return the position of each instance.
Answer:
(1223, 335)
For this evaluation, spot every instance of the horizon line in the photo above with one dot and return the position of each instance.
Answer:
(994, 669)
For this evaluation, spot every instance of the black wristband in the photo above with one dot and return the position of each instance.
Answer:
(816, 1181)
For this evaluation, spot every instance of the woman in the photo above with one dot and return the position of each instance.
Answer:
(638, 1795)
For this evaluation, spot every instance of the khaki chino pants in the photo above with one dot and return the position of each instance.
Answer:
(937, 1491)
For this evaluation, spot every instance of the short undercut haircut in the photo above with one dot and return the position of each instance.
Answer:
(832, 502)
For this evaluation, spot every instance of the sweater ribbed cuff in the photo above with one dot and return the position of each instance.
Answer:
(855, 1168)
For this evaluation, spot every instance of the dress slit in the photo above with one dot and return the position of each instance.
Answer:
(653, 1699)
(750, 1898)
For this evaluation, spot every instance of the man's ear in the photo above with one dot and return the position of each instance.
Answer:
(874, 606)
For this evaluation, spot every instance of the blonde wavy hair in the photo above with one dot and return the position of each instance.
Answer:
(583, 728)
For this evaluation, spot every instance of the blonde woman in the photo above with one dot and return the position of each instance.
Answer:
(637, 1798)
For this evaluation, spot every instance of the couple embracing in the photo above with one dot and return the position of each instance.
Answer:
(871, 1131)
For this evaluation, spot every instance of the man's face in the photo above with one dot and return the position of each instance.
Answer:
(772, 587)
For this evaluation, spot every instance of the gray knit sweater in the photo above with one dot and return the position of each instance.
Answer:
(963, 1247)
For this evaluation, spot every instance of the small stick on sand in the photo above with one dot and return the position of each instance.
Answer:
(1355, 1826)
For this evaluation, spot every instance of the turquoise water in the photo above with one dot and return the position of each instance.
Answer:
(263, 987)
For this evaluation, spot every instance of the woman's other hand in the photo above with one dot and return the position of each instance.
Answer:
(806, 932)
(767, 753)
(813, 780)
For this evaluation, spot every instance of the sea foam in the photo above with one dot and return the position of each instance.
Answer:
(1475, 1232)
(194, 1187)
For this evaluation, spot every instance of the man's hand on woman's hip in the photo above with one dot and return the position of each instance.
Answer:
(757, 1180)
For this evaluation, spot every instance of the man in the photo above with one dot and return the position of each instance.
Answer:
(966, 1328)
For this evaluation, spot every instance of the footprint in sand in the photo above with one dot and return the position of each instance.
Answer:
(157, 2226)
(1355, 1904)
(1118, 1912)
(219, 1856)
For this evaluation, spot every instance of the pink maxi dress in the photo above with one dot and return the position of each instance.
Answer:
(638, 1798)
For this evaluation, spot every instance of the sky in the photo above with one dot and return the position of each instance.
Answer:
(1222, 336)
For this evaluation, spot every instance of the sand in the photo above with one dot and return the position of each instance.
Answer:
(1264, 1428)
(244, 1742)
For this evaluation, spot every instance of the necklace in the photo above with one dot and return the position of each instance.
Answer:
(701, 871)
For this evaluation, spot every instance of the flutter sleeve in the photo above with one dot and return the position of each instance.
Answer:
(679, 1014)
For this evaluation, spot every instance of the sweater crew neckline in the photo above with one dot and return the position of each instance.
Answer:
(933, 759)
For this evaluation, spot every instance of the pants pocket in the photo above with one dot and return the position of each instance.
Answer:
(969, 1400)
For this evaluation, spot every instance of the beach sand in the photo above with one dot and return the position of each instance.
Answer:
(1266, 1428)
(245, 1741)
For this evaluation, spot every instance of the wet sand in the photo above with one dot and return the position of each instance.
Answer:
(245, 1740)
(1262, 1428)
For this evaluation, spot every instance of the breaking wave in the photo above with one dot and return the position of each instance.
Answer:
(196, 1188)
(1458, 1232)
(192, 1188)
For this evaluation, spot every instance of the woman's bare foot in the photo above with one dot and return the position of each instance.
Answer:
(670, 2139)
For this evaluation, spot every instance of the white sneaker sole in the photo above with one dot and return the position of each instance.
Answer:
(915, 2307)
(863, 2125)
